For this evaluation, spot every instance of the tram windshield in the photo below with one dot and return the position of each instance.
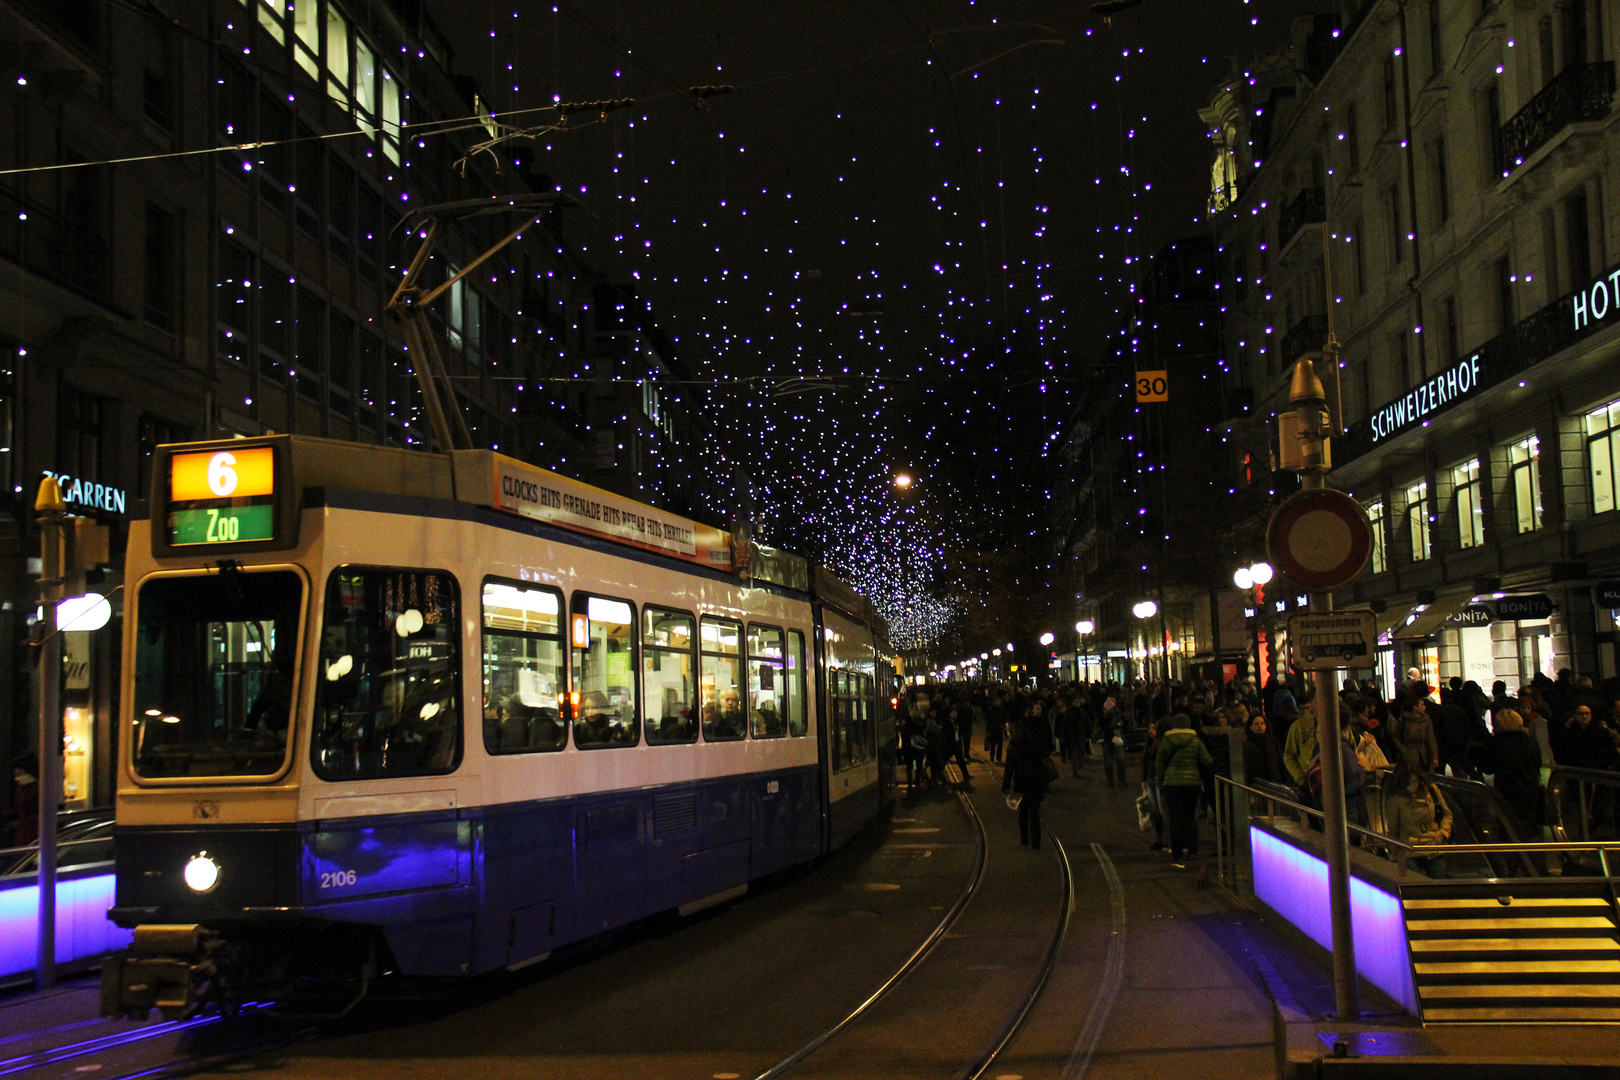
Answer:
(214, 657)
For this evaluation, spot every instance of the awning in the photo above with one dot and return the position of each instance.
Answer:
(1422, 621)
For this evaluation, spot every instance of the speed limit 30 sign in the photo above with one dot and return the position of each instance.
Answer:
(1152, 386)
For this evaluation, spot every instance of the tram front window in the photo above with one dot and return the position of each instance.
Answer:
(214, 659)
(389, 697)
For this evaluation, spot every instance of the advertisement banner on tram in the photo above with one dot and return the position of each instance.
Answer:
(536, 493)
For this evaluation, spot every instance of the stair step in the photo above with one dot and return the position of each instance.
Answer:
(1513, 967)
(1516, 1014)
(1520, 990)
(1588, 944)
(1527, 922)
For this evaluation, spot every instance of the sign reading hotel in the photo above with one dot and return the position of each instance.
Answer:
(557, 500)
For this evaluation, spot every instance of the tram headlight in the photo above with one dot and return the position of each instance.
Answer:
(201, 873)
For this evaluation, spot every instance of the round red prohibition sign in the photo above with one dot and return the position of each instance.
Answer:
(1320, 538)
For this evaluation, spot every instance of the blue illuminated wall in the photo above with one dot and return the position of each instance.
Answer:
(1293, 883)
(82, 928)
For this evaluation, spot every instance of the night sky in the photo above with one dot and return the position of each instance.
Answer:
(929, 210)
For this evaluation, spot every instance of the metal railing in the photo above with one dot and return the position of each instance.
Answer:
(1306, 336)
(1579, 92)
(1235, 802)
(1309, 207)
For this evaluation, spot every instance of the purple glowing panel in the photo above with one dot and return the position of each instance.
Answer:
(82, 928)
(1293, 883)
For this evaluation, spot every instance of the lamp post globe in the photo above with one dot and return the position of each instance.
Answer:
(1243, 578)
(1261, 572)
(1145, 609)
(1084, 626)
(1048, 637)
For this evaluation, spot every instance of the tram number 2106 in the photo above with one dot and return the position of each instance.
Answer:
(336, 879)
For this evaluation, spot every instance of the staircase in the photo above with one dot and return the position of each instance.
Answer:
(1526, 952)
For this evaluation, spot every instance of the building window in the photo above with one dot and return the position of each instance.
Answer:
(1602, 451)
(1452, 329)
(151, 433)
(160, 267)
(1437, 59)
(1392, 112)
(1352, 146)
(1442, 181)
(1579, 238)
(1505, 308)
(1380, 560)
(1470, 511)
(1526, 475)
(1417, 519)
(1360, 260)
(1397, 234)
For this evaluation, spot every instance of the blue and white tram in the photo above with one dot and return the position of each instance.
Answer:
(435, 715)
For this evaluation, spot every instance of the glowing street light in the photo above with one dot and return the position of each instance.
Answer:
(1084, 626)
(1243, 578)
(1261, 573)
(1048, 637)
(1145, 609)
(1009, 646)
(902, 480)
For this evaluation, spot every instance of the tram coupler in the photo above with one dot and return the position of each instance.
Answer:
(166, 967)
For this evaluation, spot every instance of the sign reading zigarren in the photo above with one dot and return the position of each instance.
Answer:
(518, 488)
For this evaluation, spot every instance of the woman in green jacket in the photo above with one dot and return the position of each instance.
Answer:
(1179, 766)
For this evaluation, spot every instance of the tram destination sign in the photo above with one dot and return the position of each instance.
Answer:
(535, 493)
(222, 496)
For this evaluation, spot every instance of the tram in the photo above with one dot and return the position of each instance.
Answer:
(389, 712)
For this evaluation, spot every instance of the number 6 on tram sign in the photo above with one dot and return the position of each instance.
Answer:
(1152, 386)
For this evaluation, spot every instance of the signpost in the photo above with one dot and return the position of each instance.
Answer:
(1322, 539)
(1152, 386)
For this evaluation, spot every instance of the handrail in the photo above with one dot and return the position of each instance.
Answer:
(1408, 850)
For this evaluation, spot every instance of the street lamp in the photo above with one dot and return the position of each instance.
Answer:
(1048, 637)
(902, 480)
(1144, 610)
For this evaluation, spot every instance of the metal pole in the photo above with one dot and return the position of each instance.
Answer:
(1337, 836)
(48, 506)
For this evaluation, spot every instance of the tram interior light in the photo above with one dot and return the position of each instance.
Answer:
(171, 719)
(407, 623)
(339, 668)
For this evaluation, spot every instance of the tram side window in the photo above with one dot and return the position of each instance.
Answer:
(721, 644)
(862, 725)
(389, 699)
(798, 724)
(523, 669)
(767, 683)
(604, 673)
(838, 718)
(214, 660)
(668, 682)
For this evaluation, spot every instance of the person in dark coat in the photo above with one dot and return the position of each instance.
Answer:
(1027, 754)
(1262, 757)
(1513, 757)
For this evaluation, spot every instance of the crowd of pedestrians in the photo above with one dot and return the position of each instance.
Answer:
(1180, 732)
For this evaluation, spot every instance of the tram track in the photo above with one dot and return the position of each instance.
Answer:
(116, 1048)
(1017, 1016)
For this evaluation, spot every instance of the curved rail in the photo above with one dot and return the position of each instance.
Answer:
(1020, 1013)
(917, 957)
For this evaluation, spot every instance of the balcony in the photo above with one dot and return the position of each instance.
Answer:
(49, 244)
(1307, 336)
(1309, 207)
(1581, 92)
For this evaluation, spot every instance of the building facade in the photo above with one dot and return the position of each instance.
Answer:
(1434, 183)
(157, 287)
